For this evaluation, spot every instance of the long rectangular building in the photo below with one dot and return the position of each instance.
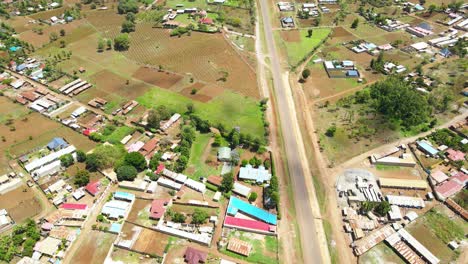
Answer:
(37, 163)
(403, 183)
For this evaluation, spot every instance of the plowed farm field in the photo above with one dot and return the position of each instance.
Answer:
(208, 57)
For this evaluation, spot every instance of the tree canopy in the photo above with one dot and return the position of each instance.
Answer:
(135, 159)
(126, 6)
(397, 100)
(122, 42)
(81, 178)
(126, 173)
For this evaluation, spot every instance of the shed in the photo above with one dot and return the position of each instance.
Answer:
(57, 143)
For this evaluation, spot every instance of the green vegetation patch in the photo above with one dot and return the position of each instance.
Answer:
(197, 166)
(443, 227)
(298, 49)
(230, 109)
(264, 251)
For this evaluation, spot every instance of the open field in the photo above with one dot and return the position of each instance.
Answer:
(199, 157)
(207, 51)
(229, 108)
(130, 257)
(20, 203)
(151, 242)
(298, 45)
(37, 40)
(94, 248)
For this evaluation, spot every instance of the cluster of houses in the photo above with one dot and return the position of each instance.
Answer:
(75, 87)
(169, 18)
(341, 69)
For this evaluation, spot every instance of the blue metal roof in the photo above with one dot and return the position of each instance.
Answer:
(115, 228)
(124, 196)
(236, 204)
(57, 143)
(427, 148)
(352, 73)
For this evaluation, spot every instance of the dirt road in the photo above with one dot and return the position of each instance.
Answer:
(313, 240)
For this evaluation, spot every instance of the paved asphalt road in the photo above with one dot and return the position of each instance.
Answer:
(290, 129)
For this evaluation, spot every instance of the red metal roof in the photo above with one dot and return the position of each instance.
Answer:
(449, 188)
(93, 187)
(150, 145)
(246, 223)
(88, 131)
(215, 180)
(74, 206)
(157, 208)
(160, 168)
(206, 20)
(195, 256)
(455, 155)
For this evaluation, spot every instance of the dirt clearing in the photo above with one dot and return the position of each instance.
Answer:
(159, 78)
(20, 203)
(291, 35)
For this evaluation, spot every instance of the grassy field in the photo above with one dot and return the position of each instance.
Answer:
(197, 166)
(298, 45)
(229, 108)
(264, 248)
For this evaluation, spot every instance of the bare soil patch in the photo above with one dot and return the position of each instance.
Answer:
(340, 32)
(109, 83)
(197, 96)
(151, 242)
(21, 203)
(159, 78)
(94, 249)
(39, 40)
(291, 35)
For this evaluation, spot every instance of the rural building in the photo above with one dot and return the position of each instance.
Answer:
(240, 247)
(418, 31)
(149, 147)
(57, 143)
(195, 256)
(48, 169)
(445, 52)
(37, 163)
(48, 246)
(78, 112)
(124, 196)
(439, 176)
(5, 219)
(169, 183)
(457, 208)
(74, 206)
(361, 246)
(137, 185)
(174, 118)
(420, 46)
(395, 213)
(224, 154)
(406, 201)
(455, 155)
(285, 6)
(403, 183)
(405, 160)
(93, 188)
(135, 147)
(195, 185)
(418, 247)
(452, 186)
(259, 175)
(115, 209)
(236, 206)
(287, 22)
(217, 196)
(427, 148)
(215, 180)
(241, 190)
(178, 177)
(158, 209)
(17, 83)
(78, 194)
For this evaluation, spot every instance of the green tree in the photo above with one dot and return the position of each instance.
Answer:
(388, 100)
(130, 17)
(62, 32)
(135, 159)
(67, 160)
(126, 6)
(178, 217)
(355, 23)
(122, 42)
(100, 46)
(253, 197)
(382, 208)
(227, 183)
(81, 178)
(199, 216)
(109, 44)
(309, 33)
(305, 74)
(53, 36)
(128, 26)
(331, 131)
(126, 173)
(154, 119)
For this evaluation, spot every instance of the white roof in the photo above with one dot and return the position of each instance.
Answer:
(420, 45)
(394, 213)
(79, 111)
(217, 196)
(169, 184)
(406, 201)
(241, 189)
(57, 185)
(412, 215)
(48, 169)
(126, 139)
(197, 186)
(37, 163)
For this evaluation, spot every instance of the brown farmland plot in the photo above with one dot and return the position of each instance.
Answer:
(94, 248)
(291, 35)
(20, 203)
(208, 57)
(158, 78)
